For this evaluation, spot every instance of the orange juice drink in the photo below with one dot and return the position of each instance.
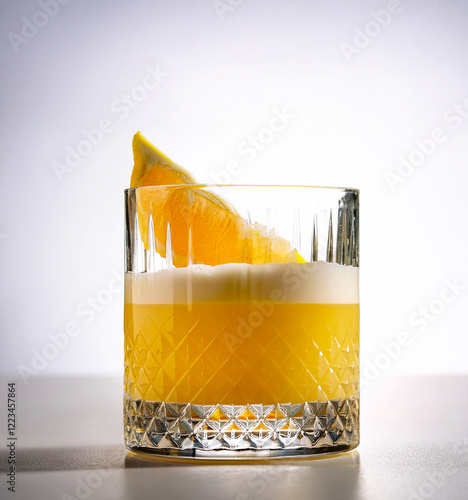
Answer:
(238, 334)
(241, 316)
(240, 337)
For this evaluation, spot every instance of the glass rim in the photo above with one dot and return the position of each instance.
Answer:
(213, 185)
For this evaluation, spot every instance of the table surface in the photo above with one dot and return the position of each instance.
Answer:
(414, 445)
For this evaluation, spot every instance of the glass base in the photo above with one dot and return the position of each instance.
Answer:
(244, 454)
(241, 431)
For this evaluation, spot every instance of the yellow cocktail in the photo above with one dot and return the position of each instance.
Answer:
(236, 348)
(241, 316)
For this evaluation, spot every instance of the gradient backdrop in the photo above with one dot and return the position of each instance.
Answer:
(374, 95)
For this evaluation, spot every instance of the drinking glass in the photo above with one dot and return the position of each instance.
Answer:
(241, 321)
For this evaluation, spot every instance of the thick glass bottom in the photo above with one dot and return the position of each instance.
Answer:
(243, 454)
(241, 431)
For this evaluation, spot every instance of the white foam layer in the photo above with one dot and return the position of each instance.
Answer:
(314, 283)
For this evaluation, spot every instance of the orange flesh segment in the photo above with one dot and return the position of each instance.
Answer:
(203, 228)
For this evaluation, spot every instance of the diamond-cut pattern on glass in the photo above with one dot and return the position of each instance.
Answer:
(181, 426)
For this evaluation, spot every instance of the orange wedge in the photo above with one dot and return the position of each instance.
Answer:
(202, 227)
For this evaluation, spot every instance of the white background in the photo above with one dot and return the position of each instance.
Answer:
(62, 242)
